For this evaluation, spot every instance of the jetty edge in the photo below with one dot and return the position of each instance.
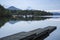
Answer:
(37, 34)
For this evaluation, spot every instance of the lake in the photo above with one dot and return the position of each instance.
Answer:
(15, 26)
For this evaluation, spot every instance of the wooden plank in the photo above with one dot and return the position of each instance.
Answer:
(39, 33)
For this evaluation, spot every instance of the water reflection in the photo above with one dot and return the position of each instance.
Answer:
(13, 27)
(3, 21)
(14, 20)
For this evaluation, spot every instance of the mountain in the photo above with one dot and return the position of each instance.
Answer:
(56, 13)
(13, 8)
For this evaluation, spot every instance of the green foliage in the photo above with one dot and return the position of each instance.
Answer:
(4, 15)
(30, 12)
(2, 10)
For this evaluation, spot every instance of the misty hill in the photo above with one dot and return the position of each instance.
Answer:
(55, 13)
(13, 8)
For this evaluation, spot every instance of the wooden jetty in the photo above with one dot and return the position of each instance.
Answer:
(37, 34)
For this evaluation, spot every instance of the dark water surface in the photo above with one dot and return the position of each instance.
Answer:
(12, 27)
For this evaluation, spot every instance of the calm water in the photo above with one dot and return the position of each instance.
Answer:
(13, 27)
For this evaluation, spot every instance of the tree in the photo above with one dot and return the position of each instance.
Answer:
(2, 10)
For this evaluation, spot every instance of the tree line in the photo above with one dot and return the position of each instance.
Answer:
(5, 12)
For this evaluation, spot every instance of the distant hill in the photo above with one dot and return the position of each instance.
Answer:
(56, 13)
(13, 8)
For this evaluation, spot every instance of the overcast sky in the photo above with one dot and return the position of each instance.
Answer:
(49, 5)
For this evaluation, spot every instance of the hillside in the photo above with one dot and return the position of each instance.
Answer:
(13, 8)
